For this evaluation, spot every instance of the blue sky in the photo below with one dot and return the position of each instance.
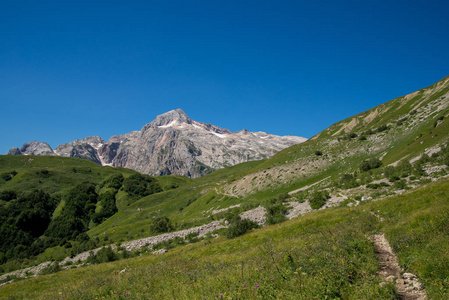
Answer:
(71, 69)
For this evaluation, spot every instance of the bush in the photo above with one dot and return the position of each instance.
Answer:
(375, 186)
(161, 225)
(141, 185)
(372, 163)
(192, 237)
(114, 181)
(103, 255)
(239, 227)
(382, 128)
(50, 269)
(446, 160)
(108, 207)
(347, 181)
(8, 176)
(318, 199)
(401, 184)
(8, 195)
(276, 209)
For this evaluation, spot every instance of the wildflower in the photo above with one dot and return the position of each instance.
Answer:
(256, 285)
(272, 278)
(221, 295)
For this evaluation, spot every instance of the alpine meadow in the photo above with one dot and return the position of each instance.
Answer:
(358, 211)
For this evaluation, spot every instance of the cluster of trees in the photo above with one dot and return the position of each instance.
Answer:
(28, 227)
(141, 185)
(23, 221)
(80, 204)
(8, 175)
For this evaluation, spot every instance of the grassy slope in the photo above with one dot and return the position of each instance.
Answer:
(325, 253)
(63, 172)
(289, 170)
(193, 198)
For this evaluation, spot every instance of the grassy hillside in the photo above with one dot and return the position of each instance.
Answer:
(392, 152)
(403, 128)
(52, 201)
(322, 254)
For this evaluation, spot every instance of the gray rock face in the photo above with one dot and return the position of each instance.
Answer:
(175, 144)
(14, 151)
(86, 148)
(32, 148)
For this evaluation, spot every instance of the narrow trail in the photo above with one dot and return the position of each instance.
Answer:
(407, 284)
(307, 187)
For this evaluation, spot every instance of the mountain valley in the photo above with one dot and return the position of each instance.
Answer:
(381, 173)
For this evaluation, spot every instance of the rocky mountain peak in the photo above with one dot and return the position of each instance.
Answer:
(33, 148)
(169, 118)
(171, 144)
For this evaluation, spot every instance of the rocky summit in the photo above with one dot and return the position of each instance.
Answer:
(171, 144)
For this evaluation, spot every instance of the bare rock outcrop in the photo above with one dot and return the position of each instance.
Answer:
(171, 144)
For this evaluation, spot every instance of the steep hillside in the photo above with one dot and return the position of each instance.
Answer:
(46, 201)
(404, 128)
(322, 254)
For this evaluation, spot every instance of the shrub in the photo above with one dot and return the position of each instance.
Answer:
(192, 237)
(50, 269)
(103, 255)
(375, 186)
(347, 181)
(8, 195)
(382, 128)
(318, 199)
(141, 185)
(401, 184)
(161, 225)
(276, 209)
(108, 207)
(239, 227)
(372, 163)
(114, 181)
(8, 176)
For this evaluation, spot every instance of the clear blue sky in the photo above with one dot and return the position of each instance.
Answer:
(71, 69)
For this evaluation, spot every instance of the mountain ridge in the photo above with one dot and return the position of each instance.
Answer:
(172, 143)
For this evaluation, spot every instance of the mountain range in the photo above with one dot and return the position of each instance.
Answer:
(171, 144)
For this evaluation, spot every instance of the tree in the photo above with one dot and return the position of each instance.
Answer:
(239, 226)
(372, 163)
(161, 225)
(141, 185)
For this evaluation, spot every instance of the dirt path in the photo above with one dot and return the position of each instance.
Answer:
(408, 285)
(307, 187)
